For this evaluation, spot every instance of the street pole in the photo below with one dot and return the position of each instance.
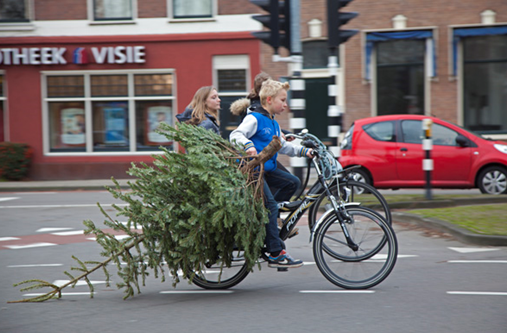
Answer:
(297, 83)
(334, 113)
(427, 162)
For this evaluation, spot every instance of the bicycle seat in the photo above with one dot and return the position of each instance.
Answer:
(287, 206)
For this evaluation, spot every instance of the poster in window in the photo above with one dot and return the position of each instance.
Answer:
(155, 116)
(73, 126)
(116, 124)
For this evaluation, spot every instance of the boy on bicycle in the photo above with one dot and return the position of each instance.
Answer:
(255, 132)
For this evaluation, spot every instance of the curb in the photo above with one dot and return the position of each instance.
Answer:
(461, 234)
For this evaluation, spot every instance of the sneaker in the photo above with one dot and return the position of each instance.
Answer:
(294, 231)
(284, 260)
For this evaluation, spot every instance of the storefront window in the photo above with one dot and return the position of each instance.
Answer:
(149, 116)
(153, 84)
(112, 10)
(13, 11)
(110, 126)
(67, 126)
(65, 86)
(192, 8)
(109, 85)
(400, 77)
(485, 82)
(93, 112)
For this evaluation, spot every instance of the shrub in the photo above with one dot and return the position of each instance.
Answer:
(15, 160)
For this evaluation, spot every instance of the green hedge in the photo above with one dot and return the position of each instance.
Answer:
(15, 160)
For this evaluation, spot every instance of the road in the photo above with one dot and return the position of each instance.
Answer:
(438, 284)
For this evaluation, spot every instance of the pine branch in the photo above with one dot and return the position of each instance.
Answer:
(193, 207)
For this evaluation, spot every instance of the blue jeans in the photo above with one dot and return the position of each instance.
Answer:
(286, 185)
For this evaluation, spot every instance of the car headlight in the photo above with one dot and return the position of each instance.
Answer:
(501, 148)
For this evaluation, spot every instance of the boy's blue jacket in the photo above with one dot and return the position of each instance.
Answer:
(257, 130)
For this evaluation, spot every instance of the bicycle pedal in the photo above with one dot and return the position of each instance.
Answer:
(294, 232)
(282, 269)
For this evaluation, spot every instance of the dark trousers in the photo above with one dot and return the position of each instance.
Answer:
(284, 186)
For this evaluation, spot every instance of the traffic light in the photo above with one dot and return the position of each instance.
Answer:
(277, 21)
(336, 19)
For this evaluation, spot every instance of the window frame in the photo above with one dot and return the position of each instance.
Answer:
(369, 65)
(230, 62)
(170, 13)
(93, 20)
(88, 101)
(21, 25)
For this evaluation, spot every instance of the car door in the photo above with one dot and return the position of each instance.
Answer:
(451, 162)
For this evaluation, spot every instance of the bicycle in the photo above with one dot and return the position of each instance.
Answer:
(354, 247)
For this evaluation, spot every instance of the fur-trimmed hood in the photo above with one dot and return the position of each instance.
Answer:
(240, 107)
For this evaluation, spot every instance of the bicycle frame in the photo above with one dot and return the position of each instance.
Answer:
(310, 198)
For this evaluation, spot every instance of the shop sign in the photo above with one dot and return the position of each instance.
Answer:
(80, 55)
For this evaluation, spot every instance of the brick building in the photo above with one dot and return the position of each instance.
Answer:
(83, 80)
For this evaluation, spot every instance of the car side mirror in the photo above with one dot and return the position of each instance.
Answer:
(462, 141)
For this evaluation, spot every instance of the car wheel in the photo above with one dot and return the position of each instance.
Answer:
(360, 175)
(493, 180)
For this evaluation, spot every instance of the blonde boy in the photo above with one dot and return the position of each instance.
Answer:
(255, 132)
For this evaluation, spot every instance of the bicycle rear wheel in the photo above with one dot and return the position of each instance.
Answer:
(360, 192)
(215, 277)
(361, 269)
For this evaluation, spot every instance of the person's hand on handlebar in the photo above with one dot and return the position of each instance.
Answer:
(310, 154)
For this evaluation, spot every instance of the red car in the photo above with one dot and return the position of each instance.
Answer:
(390, 152)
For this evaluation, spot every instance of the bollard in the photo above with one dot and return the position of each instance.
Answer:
(427, 161)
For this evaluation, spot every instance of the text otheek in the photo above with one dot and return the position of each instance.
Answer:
(56, 55)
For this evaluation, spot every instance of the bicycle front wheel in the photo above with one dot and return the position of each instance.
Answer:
(217, 277)
(365, 267)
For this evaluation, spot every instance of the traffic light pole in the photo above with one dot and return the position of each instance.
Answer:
(334, 113)
(336, 36)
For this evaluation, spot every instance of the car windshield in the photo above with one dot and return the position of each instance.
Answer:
(468, 131)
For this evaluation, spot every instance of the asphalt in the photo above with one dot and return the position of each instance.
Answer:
(398, 209)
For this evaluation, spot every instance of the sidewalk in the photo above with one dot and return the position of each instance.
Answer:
(60, 185)
(398, 216)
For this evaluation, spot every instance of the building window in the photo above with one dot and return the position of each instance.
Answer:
(14, 11)
(192, 8)
(485, 84)
(400, 77)
(231, 77)
(315, 54)
(108, 111)
(105, 10)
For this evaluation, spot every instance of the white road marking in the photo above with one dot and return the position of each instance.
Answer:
(63, 206)
(68, 233)
(483, 293)
(52, 229)
(197, 292)
(60, 283)
(477, 261)
(337, 291)
(35, 265)
(63, 294)
(4, 239)
(27, 246)
(9, 198)
(472, 249)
